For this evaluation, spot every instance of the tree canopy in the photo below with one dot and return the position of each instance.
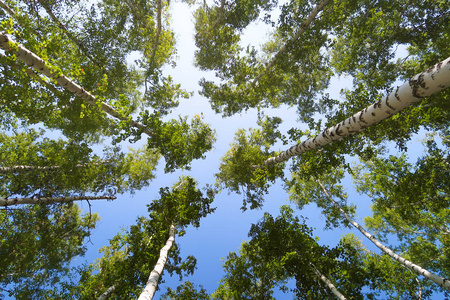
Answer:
(93, 106)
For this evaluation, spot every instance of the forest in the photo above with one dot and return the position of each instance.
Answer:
(226, 149)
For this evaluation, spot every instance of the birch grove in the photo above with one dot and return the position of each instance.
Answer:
(82, 80)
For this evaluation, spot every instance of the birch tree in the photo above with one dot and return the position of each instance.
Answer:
(433, 80)
(405, 285)
(282, 248)
(443, 282)
(177, 139)
(128, 262)
(50, 200)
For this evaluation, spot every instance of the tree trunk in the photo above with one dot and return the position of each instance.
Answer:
(4, 170)
(443, 282)
(152, 283)
(427, 83)
(302, 29)
(46, 200)
(328, 283)
(107, 293)
(42, 67)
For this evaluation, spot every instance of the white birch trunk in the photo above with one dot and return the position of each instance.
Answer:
(427, 83)
(44, 68)
(152, 283)
(328, 283)
(36, 200)
(107, 293)
(4, 170)
(443, 282)
(302, 29)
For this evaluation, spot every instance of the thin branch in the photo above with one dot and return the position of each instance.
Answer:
(283, 49)
(68, 33)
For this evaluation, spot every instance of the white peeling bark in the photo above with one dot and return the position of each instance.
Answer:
(44, 68)
(152, 283)
(107, 293)
(443, 282)
(425, 84)
(328, 283)
(302, 29)
(36, 200)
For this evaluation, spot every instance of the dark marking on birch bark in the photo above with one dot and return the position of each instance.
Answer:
(387, 103)
(377, 104)
(416, 84)
(373, 114)
(338, 131)
(396, 95)
(361, 119)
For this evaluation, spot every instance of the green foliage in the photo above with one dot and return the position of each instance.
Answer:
(410, 201)
(38, 244)
(303, 191)
(184, 205)
(186, 291)
(405, 285)
(283, 248)
(128, 261)
(178, 141)
(72, 167)
(242, 170)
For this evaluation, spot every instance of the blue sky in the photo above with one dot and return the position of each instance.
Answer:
(227, 228)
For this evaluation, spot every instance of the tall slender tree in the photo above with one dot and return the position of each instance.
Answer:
(128, 262)
(443, 282)
(282, 248)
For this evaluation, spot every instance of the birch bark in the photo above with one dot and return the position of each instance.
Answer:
(107, 293)
(425, 84)
(36, 200)
(44, 68)
(152, 283)
(4, 170)
(443, 282)
(328, 283)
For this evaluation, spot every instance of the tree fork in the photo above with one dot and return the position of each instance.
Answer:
(283, 49)
(425, 84)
